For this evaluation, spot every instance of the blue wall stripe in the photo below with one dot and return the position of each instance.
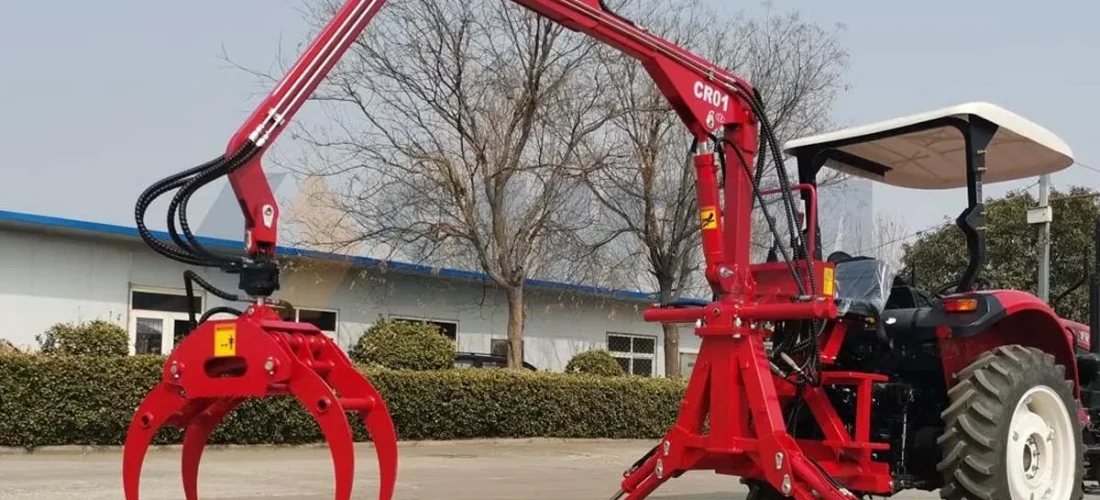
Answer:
(403, 267)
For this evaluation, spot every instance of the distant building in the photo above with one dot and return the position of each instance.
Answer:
(61, 269)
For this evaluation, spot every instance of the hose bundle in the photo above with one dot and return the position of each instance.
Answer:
(185, 247)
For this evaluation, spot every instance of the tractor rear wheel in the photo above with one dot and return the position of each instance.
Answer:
(1011, 430)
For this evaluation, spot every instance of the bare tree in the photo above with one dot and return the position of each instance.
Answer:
(888, 240)
(456, 127)
(647, 187)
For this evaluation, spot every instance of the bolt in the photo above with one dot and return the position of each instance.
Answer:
(175, 369)
(668, 445)
(268, 210)
(725, 272)
(786, 484)
(737, 322)
(778, 461)
(250, 311)
(269, 365)
(660, 469)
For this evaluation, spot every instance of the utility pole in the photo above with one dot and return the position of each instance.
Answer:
(1043, 215)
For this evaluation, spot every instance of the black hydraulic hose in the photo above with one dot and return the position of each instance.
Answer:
(767, 215)
(238, 158)
(173, 206)
(220, 309)
(190, 277)
(151, 194)
(757, 105)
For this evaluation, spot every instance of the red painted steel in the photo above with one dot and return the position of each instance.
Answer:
(732, 380)
(258, 355)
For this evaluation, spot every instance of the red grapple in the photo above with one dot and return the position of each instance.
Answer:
(259, 355)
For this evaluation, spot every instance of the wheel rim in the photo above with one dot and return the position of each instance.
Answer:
(1041, 448)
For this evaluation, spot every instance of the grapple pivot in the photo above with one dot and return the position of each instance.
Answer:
(259, 355)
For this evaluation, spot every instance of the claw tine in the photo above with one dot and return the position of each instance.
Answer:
(316, 396)
(194, 442)
(384, 436)
(161, 403)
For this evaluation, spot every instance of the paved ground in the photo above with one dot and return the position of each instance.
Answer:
(510, 470)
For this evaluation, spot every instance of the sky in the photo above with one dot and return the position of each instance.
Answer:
(100, 99)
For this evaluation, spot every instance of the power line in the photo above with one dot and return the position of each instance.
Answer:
(1097, 170)
(945, 223)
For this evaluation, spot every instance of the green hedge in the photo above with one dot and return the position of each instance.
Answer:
(72, 400)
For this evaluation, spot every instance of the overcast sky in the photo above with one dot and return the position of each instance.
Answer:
(101, 98)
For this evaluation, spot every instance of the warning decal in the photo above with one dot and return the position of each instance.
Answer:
(709, 218)
(225, 339)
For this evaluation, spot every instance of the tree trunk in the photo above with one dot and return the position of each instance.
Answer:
(517, 318)
(672, 332)
(672, 350)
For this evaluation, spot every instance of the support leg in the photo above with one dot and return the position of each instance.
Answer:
(195, 437)
(161, 404)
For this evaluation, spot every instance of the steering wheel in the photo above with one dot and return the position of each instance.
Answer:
(982, 284)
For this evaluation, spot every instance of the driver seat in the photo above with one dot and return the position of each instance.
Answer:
(863, 287)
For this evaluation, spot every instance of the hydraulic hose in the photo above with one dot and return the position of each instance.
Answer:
(150, 195)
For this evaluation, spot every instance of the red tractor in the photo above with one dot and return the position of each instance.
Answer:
(979, 392)
(870, 387)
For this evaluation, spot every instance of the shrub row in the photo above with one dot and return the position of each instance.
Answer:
(79, 400)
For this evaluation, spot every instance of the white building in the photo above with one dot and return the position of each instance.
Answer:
(58, 270)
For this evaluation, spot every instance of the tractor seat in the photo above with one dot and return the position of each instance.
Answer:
(863, 285)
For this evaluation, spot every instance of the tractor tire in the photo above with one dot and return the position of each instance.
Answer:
(1011, 430)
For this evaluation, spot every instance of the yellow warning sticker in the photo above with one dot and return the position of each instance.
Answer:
(225, 339)
(709, 218)
(827, 286)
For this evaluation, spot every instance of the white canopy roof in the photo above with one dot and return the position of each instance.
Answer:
(936, 158)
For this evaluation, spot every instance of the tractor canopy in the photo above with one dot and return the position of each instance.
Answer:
(930, 150)
(959, 146)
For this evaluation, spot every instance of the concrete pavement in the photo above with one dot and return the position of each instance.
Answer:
(472, 470)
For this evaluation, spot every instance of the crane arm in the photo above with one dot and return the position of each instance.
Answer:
(709, 100)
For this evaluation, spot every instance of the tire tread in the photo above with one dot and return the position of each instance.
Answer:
(971, 453)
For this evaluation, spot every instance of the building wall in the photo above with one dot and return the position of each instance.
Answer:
(47, 277)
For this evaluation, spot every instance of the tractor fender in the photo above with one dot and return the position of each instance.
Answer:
(1005, 317)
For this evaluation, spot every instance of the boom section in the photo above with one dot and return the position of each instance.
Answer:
(263, 126)
(707, 98)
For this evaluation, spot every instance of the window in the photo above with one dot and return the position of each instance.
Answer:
(499, 347)
(158, 319)
(325, 319)
(635, 353)
(448, 328)
(687, 363)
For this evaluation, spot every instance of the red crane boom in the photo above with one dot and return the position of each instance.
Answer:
(257, 354)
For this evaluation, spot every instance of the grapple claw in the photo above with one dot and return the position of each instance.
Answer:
(158, 407)
(259, 355)
(321, 402)
(376, 418)
(195, 436)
